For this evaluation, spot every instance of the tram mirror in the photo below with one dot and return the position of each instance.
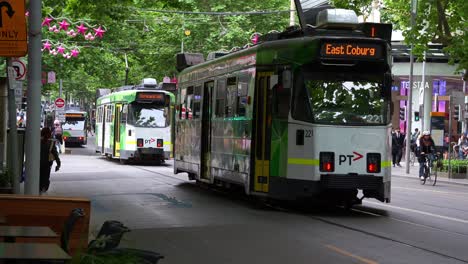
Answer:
(125, 109)
(287, 79)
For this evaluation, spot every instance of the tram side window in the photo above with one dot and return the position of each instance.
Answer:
(123, 116)
(182, 105)
(242, 92)
(98, 115)
(197, 102)
(189, 103)
(301, 105)
(231, 97)
(220, 98)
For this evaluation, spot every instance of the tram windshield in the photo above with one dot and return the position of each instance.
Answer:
(148, 115)
(342, 102)
(74, 124)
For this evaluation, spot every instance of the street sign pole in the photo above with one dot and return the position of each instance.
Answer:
(409, 103)
(32, 145)
(13, 165)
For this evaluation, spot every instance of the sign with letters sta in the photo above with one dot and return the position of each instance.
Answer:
(13, 36)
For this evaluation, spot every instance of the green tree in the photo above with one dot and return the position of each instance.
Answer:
(148, 37)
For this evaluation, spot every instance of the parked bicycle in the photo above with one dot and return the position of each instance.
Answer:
(430, 168)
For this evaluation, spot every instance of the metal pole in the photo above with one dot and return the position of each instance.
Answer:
(60, 82)
(13, 165)
(410, 93)
(34, 99)
(3, 122)
(449, 136)
(292, 14)
(126, 69)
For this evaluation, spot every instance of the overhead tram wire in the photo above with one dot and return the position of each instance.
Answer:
(266, 12)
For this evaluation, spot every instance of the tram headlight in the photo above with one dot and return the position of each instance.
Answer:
(140, 142)
(373, 162)
(327, 161)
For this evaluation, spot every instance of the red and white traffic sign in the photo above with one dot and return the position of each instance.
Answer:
(59, 103)
(20, 69)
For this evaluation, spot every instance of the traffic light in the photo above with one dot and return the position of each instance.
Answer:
(456, 112)
(416, 116)
(402, 113)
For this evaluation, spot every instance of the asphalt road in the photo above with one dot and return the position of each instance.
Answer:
(190, 224)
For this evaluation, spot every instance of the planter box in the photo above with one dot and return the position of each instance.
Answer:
(454, 175)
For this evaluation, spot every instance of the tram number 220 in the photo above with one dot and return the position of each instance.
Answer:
(308, 133)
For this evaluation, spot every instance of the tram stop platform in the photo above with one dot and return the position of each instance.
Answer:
(414, 173)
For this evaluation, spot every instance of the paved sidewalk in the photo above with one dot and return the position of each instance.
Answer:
(414, 172)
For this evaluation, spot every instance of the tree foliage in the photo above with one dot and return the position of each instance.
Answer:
(149, 37)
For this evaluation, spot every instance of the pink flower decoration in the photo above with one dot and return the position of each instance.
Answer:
(47, 45)
(60, 49)
(53, 28)
(64, 25)
(56, 30)
(89, 36)
(99, 32)
(81, 29)
(71, 33)
(47, 21)
(26, 14)
(75, 52)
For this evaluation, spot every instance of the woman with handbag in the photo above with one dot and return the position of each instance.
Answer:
(48, 155)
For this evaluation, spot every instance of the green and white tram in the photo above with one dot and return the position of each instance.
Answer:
(74, 128)
(304, 113)
(135, 123)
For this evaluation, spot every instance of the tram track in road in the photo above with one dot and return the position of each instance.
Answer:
(171, 180)
(372, 234)
(160, 174)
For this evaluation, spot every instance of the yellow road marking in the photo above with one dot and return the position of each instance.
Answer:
(348, 254)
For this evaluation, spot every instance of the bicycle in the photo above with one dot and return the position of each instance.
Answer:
(430, 169)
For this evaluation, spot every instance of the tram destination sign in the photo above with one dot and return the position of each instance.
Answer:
(351, 50)
(153, 97)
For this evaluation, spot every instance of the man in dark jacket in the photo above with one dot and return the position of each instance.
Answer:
(397, 147)
(48, 155)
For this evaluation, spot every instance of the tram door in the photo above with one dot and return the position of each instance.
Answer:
(262, 108)
(117, 120)
(206, 130)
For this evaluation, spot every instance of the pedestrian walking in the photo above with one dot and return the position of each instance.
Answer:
(57, 134)
(49, 153)
(398, 140)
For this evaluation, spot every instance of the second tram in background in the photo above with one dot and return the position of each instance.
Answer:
(74, 127)
(134, 123)
(304, 113)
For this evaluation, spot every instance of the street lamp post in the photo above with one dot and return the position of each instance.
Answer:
(409, 103)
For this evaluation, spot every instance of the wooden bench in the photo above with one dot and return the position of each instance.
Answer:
(25, 210)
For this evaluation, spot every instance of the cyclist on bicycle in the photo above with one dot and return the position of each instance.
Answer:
(426, 149)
